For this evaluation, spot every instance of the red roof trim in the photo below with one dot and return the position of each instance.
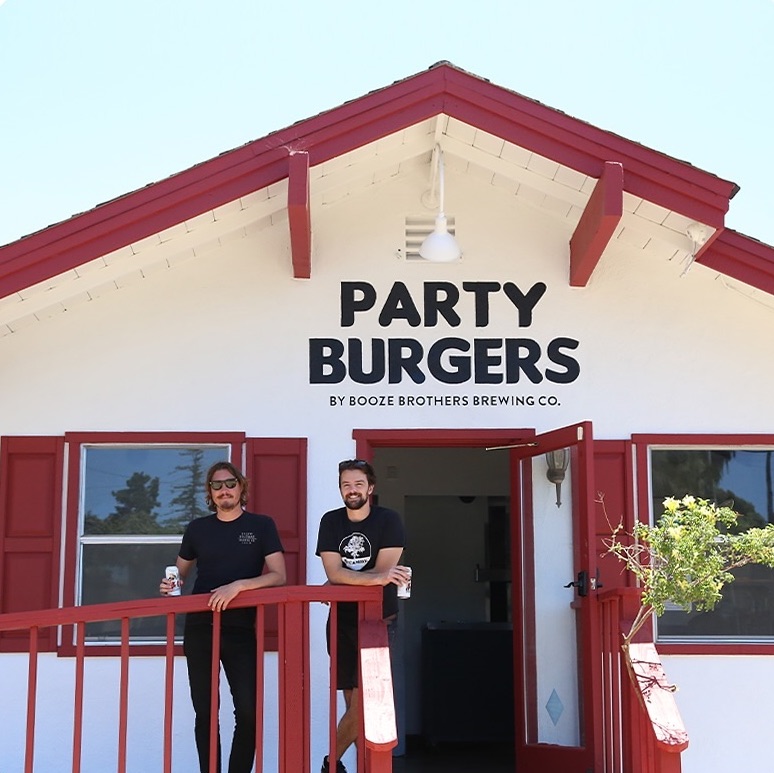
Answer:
(651, 175)
(441, 89)
(598, 222)
(742, 258)
(130, 218)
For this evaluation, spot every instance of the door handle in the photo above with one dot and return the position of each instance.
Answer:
(582, 583)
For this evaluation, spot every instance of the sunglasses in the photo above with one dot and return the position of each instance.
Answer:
(353, 464)
(217, 485)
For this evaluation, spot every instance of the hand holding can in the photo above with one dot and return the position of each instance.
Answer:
(404, 589)
(173, 578)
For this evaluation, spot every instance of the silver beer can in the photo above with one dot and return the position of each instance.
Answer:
(173, 575)
(404, 590)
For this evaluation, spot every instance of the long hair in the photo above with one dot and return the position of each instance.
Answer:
(243, 482)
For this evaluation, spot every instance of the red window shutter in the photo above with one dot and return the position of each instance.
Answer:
(613, 477)
(276, 468)
(31, 470)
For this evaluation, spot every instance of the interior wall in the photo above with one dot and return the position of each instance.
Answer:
(445, 539)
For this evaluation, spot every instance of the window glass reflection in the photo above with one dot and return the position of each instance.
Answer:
(741, 479)
(135, 504)
(144, 490)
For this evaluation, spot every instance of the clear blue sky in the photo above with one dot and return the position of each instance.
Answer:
(100, 97)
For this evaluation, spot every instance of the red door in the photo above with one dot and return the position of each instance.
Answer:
(556, 652)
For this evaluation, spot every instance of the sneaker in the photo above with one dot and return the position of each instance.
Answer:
(339, 766)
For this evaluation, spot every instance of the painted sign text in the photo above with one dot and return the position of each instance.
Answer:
(450, 359)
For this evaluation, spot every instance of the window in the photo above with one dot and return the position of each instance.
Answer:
(743, 478)
(111, 547)
(135, 502)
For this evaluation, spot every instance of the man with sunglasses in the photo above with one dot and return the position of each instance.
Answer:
(359, 544)
(230, 549)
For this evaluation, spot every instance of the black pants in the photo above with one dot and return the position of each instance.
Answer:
(238, 656)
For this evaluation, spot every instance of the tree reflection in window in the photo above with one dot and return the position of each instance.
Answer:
(741, 479)
(136, 503)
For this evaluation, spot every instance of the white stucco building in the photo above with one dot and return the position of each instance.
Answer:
(270, 304)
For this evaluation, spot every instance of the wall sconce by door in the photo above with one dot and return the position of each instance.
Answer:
(557, 462)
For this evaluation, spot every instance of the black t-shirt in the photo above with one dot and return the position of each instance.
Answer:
(358, 543)
(225, 551)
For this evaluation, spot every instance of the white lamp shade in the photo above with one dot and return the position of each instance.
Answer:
(440, 246)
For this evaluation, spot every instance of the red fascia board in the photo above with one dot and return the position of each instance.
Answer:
(299, 218)
(650, 174)
(336, 139)
(597, 224)
(441, 89)
(130, 218)
(140, 214)
(742, 258)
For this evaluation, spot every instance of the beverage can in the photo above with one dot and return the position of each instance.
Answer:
(404, 590)
(173, 575)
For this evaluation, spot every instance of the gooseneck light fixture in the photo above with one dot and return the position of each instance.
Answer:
(439, 246)
(557, 462)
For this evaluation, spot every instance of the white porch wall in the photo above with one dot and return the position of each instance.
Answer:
(54, 718)
(726, 705)
(220, 342)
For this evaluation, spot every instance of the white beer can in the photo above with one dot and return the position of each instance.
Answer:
(173, 575)
(404, 590)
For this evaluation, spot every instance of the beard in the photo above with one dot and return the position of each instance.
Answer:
(227, 503)
(355, 501)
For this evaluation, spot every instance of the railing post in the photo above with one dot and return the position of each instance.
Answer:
(377, 703)
(293, 687)
(651, 727)
(214, 731)
(80, 631)
(169, 684)
(123, 697)
(32, 688)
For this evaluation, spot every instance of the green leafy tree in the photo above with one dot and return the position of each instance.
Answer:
(686, 558)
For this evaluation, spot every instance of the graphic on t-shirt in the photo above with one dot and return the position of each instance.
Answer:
(355, 551)
(247, 538)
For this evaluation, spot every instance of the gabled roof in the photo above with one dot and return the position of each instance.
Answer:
(598, 175)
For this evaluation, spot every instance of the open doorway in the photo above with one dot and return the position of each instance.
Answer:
(454, 683)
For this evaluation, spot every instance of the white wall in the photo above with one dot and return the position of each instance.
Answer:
(220, 342)
(99, 742)
(726, 705)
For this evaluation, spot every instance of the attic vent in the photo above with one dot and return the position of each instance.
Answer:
(417, 229)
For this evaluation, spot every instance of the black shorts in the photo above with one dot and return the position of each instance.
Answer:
(346, 651)
(346, 654)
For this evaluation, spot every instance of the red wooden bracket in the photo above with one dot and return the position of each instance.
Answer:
(597, 223)
(299, 217)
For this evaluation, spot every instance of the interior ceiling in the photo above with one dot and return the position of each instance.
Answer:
(534, 181)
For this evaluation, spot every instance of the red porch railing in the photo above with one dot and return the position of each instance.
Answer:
(642, 728)
(294, 718)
